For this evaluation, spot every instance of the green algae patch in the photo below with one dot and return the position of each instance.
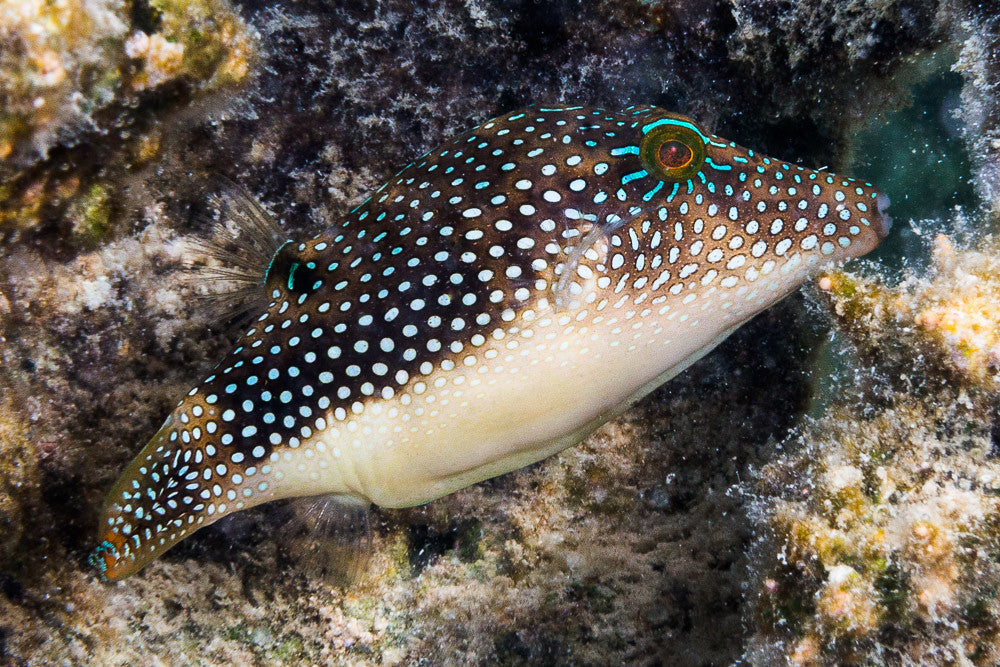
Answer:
(290, 649)
(92, 220)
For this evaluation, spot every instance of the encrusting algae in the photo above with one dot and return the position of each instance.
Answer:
(950, 319)
(884, 529)
(495, 302)
(72, 71)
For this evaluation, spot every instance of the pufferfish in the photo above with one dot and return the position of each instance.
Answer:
(496, 301)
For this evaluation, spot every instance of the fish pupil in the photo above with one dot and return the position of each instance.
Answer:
(675, 154)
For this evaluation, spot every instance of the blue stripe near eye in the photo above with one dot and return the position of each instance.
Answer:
(720, 167)
(625, 150)
(635, 175)
(678, 123)
(673, 193)
(652, 193)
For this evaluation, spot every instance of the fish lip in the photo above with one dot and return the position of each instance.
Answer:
(883, 223)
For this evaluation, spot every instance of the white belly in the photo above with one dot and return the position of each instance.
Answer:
(534, 395)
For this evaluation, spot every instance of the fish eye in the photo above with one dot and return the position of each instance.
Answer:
(672, 152)
(288, 272)
(675, 154)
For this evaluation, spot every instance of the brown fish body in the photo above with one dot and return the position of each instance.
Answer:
(492, 304)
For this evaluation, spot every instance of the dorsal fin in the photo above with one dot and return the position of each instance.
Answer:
(228, 267)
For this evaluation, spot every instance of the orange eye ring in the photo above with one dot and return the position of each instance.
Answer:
(672, 152)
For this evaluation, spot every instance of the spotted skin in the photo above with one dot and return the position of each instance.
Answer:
(493, 303)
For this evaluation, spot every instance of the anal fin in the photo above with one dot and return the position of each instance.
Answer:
(330, 538)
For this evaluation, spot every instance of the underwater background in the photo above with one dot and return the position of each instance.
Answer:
(823, 488)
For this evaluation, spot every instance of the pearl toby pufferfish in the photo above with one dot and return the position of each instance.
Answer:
(496, 301)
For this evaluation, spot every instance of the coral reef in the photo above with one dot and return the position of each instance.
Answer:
(59, 63)
(632, 546)
(878, 521)
(883, 541)
(74, 71)
(946, 320)
(882, 518)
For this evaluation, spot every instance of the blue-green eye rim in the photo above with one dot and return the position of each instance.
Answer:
(661, 135)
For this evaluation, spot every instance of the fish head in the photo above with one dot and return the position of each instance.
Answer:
(745, 213)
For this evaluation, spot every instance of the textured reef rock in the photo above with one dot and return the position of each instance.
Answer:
(883, 521)
(79, 77)
(878, 522)
(116, 116)
(18, 485)
(977, 33)
(946, 321)
(883, 541)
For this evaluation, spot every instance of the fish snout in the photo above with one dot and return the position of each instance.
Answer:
(882, 222)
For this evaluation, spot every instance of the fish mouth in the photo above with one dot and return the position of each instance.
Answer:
(883, 223)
